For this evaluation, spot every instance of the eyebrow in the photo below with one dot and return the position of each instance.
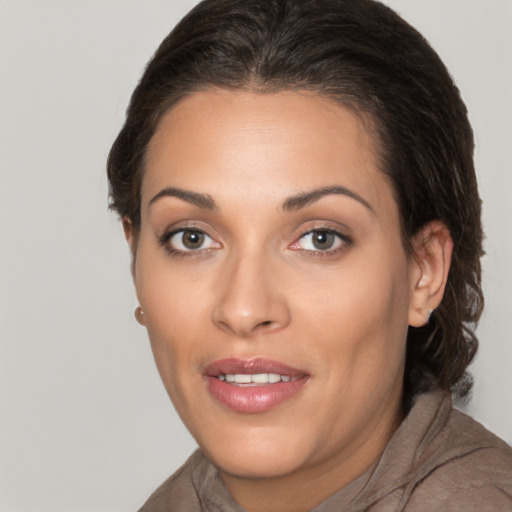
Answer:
(298, 201)
(204, 201)
(292, 203)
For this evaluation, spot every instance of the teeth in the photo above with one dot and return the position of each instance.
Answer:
(242, 379)
(257, 378)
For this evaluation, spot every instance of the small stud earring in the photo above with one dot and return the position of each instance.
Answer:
(139, 315)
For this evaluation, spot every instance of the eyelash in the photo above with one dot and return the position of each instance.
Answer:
(343, 241)
(165, 240)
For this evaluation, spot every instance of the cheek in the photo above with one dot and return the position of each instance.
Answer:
(174, 336)
(174, 311)
(175, 322)
(366, 293)
(357, 318)
(170, 295)
(359, 332)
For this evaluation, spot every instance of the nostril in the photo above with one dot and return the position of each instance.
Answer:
(267, 323)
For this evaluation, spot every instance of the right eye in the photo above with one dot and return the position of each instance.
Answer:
(188, 240)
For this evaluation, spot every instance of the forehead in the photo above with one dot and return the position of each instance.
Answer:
(246, 143)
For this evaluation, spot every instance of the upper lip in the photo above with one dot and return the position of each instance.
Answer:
(251, 367)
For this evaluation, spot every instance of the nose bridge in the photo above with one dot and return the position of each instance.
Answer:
(250, 299)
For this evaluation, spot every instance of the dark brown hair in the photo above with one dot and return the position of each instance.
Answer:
(363, 55)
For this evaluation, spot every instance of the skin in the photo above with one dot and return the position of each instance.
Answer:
(258, 287)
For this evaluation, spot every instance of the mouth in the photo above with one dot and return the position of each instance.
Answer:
(253, 386)
(256, 379)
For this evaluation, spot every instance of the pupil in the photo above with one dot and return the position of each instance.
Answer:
(193, 239)
(323, 240)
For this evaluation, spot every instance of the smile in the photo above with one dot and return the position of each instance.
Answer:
(253, 386)
(255, 379)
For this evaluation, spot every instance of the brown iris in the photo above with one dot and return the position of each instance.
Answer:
(323, 240)
(193, 239)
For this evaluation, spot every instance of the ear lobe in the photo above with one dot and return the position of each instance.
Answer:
(432, 247)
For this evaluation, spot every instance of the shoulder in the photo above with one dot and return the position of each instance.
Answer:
(469, 469)
(178, 492)
(440, 460)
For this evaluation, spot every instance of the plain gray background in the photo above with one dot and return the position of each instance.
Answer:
(85, 424)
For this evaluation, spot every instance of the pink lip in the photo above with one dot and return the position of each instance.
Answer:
(254, 398)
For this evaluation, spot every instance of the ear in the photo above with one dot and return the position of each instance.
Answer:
(131, 238)
(128, 231)
(130, 235)
(432, 256)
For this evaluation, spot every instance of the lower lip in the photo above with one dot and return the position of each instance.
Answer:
(253, 399)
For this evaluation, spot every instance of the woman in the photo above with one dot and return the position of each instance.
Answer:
(296, 184)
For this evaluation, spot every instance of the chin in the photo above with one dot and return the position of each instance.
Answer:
(260, 457)
(256, 466)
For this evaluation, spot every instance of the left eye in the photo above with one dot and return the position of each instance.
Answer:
(320, 240)
(187, 240)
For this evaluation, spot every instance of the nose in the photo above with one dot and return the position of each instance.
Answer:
(250, 300)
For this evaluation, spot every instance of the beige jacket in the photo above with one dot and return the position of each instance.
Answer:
(439, 460)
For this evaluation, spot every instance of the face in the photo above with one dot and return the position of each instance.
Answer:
(274, 283)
